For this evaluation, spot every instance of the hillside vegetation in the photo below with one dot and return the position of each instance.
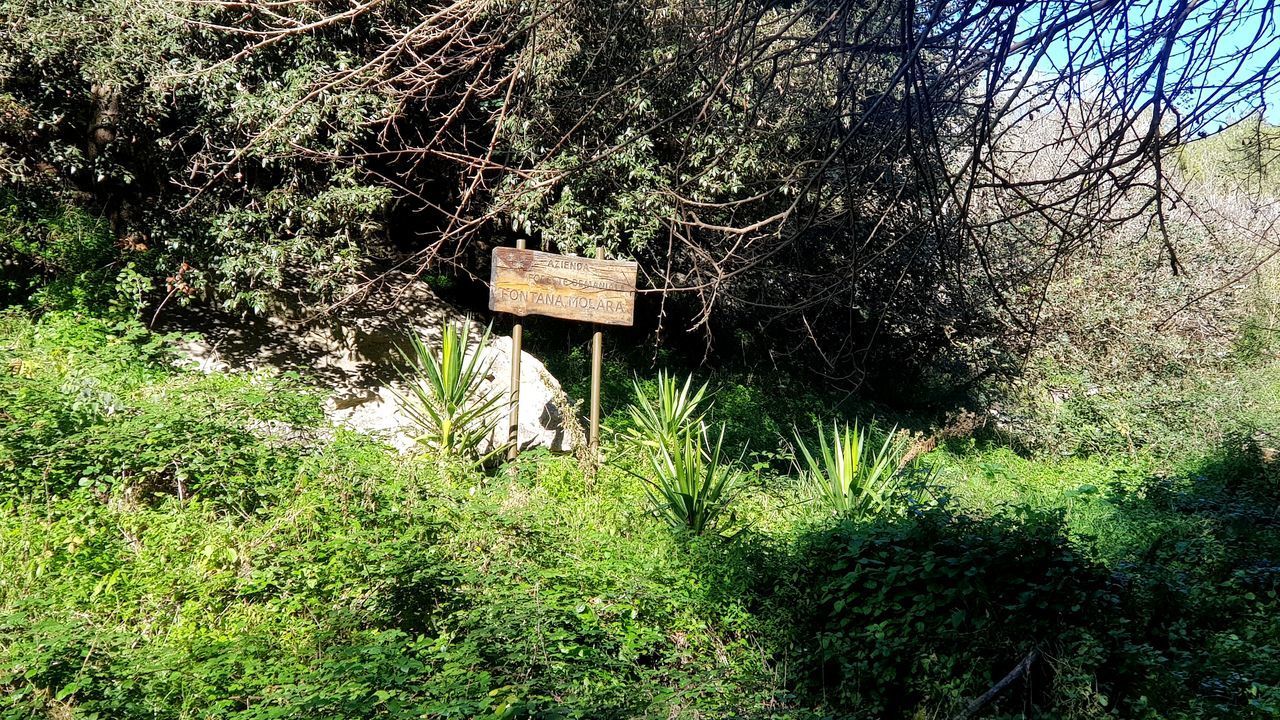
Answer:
(1103, 530)
(177, 545)
(953, 390)
(1241, 157)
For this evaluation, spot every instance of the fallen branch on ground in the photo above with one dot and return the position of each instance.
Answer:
(1018, 671)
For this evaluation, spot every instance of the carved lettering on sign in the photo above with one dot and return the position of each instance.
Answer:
(528, 282)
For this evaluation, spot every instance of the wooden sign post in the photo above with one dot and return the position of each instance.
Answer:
(513, 390)
(597, 369)
(527, 282)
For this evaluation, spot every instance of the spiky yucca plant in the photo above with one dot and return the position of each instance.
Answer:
(691, 487)
(659, 420)
(446, 399)
(849, 474)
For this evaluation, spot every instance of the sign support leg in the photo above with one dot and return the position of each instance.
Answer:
(597, 361)
(517, 340)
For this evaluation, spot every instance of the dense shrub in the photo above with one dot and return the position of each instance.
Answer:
(1192, 558)
(932, 610)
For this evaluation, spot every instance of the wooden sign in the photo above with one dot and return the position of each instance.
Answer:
(528, 282)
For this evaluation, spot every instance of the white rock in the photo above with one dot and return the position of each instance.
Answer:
(541, 417)
(377, 413)
(200, 355)
(543, 405)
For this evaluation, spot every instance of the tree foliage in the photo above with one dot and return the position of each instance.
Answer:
(862, 185)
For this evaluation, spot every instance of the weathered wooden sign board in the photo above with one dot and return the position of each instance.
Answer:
(528, 282)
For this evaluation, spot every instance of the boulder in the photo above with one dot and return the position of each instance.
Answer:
(541, 417)
(353, 350)
(376, 412)
(545, 417)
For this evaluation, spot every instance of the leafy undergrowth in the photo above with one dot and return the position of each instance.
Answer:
(182, 546)
(1192, 557)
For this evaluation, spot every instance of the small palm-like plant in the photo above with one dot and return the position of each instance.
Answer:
(691, 486)
(849, 473)
(659, 420)
(446, 400)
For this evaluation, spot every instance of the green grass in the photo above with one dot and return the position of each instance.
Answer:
(1243, 156)
(174, 545)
